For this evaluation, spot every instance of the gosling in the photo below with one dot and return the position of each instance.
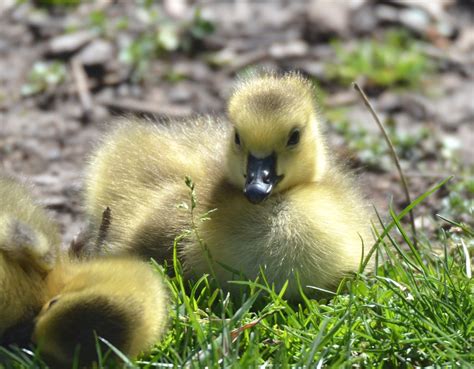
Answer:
(279, 202)
(70, 302)
(119, 299)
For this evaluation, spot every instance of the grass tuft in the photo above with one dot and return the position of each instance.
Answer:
(416, 310)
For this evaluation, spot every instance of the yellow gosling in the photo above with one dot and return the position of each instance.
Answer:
(121, 300)
(282, 203)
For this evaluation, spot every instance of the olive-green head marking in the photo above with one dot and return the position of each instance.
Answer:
(94, 300)
(118, 299)
(68, 327)
(275, 141)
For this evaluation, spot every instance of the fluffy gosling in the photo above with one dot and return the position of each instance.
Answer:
(70, 302)
(282, 203)
(121, 300)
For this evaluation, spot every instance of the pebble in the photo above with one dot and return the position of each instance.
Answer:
(70, 43)
(98, 52)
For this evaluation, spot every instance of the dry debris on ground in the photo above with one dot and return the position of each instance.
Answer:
(66, 71)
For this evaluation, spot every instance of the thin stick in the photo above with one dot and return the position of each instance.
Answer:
(393, 152)
(82, 86)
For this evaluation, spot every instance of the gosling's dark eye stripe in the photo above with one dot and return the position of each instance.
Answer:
(237, 139)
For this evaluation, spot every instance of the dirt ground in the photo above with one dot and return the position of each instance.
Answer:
(46, 136)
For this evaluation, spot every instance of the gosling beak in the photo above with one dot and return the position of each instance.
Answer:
(261, 178)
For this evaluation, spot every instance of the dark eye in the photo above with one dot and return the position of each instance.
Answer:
(52, 302)
(294, 138)
(237, 139)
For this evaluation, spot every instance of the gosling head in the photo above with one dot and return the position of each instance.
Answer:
(105, 298)
(67, 327)
(276, 143)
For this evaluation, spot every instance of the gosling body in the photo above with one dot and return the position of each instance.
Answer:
(69, 302)
(278, 200)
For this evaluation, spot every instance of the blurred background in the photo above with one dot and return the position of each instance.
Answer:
(67, 67)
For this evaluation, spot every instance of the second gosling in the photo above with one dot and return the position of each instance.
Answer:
(67, 303)
(281, 202)
(119, 299)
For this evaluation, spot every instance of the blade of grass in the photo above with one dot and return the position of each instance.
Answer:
(119, 353)
(466, 229)
(412, 247)
(467, 258)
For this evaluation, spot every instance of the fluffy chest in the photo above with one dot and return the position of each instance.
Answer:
(247, 237)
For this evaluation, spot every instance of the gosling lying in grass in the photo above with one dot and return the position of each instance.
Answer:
(119, 299)
(282, 203)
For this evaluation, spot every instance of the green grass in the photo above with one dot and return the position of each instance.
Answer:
(393, 60)
(44, 76)
(416, 310)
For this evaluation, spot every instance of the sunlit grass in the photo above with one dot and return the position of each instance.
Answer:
(416, 310)
(395, 59)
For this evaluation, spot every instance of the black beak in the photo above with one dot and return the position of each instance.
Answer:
(261, 178)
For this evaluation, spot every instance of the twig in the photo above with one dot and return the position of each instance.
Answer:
(104, 228)
(82, 87)
(393, 152)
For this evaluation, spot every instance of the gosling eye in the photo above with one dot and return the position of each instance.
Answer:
(237, 139)
(52, 302)
(294, 137)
